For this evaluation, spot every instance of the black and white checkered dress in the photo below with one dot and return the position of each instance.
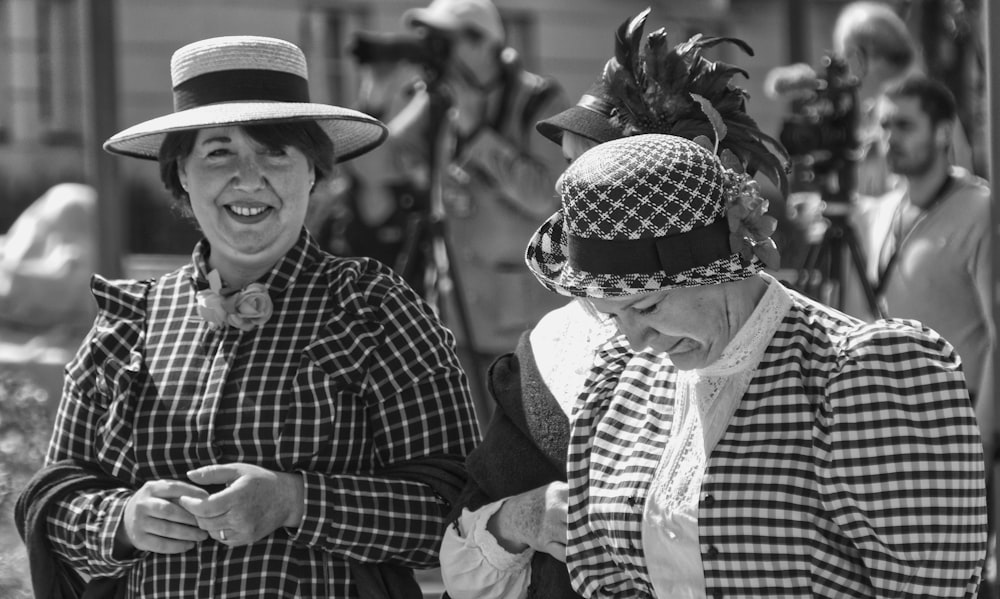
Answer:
(351, 373)
(852, 467)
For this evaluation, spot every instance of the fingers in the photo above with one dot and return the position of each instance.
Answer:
(216, 474)
(556, 550)
(152, 521)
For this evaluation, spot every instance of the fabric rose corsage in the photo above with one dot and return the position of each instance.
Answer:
(246, 309)
(750, 227)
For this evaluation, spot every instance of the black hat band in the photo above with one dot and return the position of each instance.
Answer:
(672, 254)
(240, 85)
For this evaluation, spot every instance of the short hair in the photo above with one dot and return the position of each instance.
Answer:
(877, 30)
(935, 99)
(306, 136)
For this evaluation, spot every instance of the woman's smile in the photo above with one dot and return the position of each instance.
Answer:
(248, 213)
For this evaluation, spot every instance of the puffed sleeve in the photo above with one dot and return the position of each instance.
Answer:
(418, 406)
(902, 472)
(90, 428)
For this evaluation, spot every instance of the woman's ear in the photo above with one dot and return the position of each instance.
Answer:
(182, 174)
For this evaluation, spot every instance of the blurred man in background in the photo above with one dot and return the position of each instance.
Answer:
(879, 50)
(928, 241)
(494, 177)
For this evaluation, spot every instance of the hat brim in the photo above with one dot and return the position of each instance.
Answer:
(547, 258)
(422, 16)
(353, 133)
(579, 120)
(443, 21)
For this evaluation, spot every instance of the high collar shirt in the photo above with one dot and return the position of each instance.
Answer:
(352, 373)
(705, 401)
(851, 467)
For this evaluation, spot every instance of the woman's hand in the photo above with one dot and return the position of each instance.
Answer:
(255, 502)
(154, 522)
(536, 519)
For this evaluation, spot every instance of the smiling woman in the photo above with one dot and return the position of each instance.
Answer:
(248, 189)
(226, 425)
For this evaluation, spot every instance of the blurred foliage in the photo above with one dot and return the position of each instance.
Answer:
(26, 416)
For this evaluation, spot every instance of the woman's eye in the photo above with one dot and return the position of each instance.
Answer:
(275, 152)
(644, 310)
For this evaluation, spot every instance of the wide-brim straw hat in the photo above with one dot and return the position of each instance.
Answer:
(638, 214)
(590, 118)
(246, 80)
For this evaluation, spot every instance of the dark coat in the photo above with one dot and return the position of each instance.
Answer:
(524, 447)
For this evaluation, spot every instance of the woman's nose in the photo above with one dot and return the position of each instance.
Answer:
(634, 330)
(249, 175)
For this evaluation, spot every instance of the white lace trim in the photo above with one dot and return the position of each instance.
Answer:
(715, 391)
(746, 348)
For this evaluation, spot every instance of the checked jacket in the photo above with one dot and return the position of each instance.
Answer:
(852, 467)
(351, 374)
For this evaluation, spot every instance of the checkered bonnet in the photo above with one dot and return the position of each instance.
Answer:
(638, 214)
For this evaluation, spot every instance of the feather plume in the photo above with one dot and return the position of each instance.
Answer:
(658, 89)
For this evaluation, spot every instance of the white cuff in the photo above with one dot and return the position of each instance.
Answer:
(498, 557)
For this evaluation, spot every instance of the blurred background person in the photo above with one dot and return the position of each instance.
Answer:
(372, 201)
(495, 177)
(928, 241)
(879, 49)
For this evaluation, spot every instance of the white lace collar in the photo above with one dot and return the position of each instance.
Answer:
(746, 348)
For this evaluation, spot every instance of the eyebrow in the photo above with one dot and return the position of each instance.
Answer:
(217, 139)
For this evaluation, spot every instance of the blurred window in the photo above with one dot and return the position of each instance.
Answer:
(59, 65)
(326, 34)
(6, 54)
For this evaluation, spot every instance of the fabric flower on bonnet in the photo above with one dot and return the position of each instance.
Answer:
(244, 309)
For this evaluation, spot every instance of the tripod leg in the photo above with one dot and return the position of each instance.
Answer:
(407, 262)
(448, 284)
(857, 259)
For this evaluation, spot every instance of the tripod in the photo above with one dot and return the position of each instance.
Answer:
(426, 255)
(822, 275)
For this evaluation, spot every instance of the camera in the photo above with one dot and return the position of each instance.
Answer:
(428, 48)
(821, 134)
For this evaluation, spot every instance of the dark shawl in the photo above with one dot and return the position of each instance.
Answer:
(445, 475)
(524, 447)
(51, 577)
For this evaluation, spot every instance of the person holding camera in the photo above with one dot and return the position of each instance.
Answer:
(879, 50)
(495, 175)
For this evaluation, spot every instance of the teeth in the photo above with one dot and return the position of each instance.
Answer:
(247, 211)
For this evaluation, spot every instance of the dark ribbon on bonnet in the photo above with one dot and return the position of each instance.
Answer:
(240, 85)
(672, 254)
(595, 104)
